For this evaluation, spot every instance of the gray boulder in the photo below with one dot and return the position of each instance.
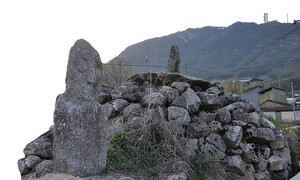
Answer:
(180, 86)
(267, 153)
(80, 126)
(223, 116)
(173, 61)
(31, 161)
(209, 101)
(23, 169)
(153, 100)
(191, 147)
(262, 175)
(215, 90)
(126, 91)
(248, 154)
(103, 98)
(108, 110)
(188, 100)
(236, 164)
(179, 115)
(41, 147)
(170, 93)
(44, 168)
(213, 150)
(133, 110)
(217, 141)
(233, 136)
(114, 125)
(279, 144)
(276, 163)
(119, 104)
(205, 116)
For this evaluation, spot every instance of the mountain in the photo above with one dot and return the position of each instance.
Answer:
(240, 50)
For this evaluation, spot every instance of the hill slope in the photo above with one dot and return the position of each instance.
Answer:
(240, 50)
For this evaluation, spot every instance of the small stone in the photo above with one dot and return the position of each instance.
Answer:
(126, 91)
(277, 144)
(212, 150)
(180, 176)
(170, 93)
(216, 140)
(44, 168)
(223, 116)
(153, 100)
(119, 104)
(262, 175)
(236, 164)
(188, 100)
(133, 110)
(248, 154)
(31, 161)
(276, 163)
(103, 98)
(180, 86)
(191, 147)
(41, 147)
(22, 167)
(233, 136)
(179, 115)
(262, 164)
(209, 101)
(206, 116)
(267, 152)
(215, 90)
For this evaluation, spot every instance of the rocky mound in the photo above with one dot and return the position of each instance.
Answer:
(183, 118)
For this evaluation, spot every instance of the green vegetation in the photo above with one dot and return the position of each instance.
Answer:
(122, 157)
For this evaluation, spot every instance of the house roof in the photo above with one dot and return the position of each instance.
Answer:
(286, 108)
(277, 102)
(249, 80)
(253, 88)
(269, 89)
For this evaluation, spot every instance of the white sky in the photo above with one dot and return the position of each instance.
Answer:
(36, 35)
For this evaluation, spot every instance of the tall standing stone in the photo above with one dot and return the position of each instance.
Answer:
(173, 61)
(80, 127)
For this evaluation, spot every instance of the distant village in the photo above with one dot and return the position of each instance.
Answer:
(272, 101)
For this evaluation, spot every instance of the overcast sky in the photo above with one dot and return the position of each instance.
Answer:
(35, 38)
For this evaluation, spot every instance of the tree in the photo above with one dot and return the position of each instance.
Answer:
(115, 72)
(232, 86)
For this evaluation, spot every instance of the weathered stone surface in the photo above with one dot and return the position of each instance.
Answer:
(179, 115)
(265, 135)
(108, 110)
(215, 90)
(262, 164)
(215, 127)
(22, 167)
(205, 116)
(233, 136)
(188, 100)
(198, 129)
(247, 107)
(209, 101)
(211, 149)
(236, 164)
(191, 147)
(114, 125)
(170, 93)
(217, 141)
(262, 175)
(248, 154)
(154, 100)
(31, 161)
(83, 79)
(267, 152)
(285, 154)
(173, 61)
(249, 118)
(80, 126)
(103, 98)
(238, 123)
(250, 172)
(126, 91)
(119, 104)
(284, 174)
(41, 147)
(132, 110)
(223, 116)
(180, 176)
(279, 144)
(276, 163)
(44, 168)
(233, 152)
(180, 86)
(266, 123)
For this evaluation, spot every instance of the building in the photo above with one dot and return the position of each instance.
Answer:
(250, 83)
(252, 94)
(285, 114)
(272, 97)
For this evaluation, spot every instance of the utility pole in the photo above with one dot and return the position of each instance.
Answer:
(292, 86)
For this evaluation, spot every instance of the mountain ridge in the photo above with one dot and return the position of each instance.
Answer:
(239, 50)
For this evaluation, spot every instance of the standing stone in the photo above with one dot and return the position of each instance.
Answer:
(80, 126)
(173, 61)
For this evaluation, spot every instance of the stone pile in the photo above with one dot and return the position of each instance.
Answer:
(210, 121)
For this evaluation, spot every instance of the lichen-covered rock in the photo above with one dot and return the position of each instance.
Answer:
(178, 114)
(276, 163)
(188, 100)
(126, 91)
(154, 100)
(44, 168)
(236, 164)
(217, 141)
(170, 93)
(233, 136)
(80, 124)
(180, 86)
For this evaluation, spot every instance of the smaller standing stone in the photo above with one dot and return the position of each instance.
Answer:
(173, 61)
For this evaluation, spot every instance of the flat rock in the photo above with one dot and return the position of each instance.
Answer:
(188, 100)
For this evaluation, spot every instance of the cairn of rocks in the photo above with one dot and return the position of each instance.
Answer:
(208, 120)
